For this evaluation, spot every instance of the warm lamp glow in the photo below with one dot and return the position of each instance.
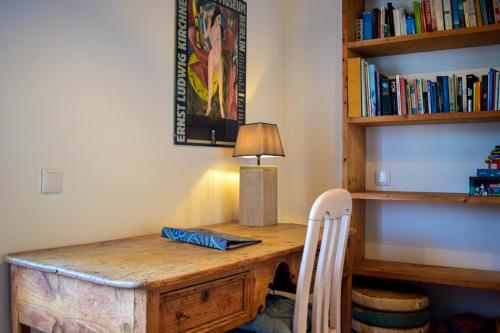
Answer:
(259, 139)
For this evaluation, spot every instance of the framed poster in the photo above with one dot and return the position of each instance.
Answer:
(210, 71)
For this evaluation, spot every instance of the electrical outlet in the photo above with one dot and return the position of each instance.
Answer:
(383, 177)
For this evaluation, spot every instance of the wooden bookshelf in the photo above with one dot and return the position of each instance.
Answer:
(424, 196)
(354, 149)
(473, 278)
(424, 119)
(427, 41)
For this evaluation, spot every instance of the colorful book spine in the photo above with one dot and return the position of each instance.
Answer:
(460, 88)
(467, 14)
(394, 97)
(471, 79)
(452, 95)
(359, 29)
(373, 90)
(420, 96)
(416, 12)
(427, 15)
(446, 94)
(461, 14)
(477, 7)
(484, 93)
(448, 19)
(404, 93)
(367, 25)
(484, 14)
(439, 15)
(472, 13)
(496, 5)
(364, 113)
(433, 14)
(455, 14)
(488, 172)
(398, 94)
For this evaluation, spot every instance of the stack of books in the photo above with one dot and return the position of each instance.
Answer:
(427, 16)
(371, 93)
(487, 181)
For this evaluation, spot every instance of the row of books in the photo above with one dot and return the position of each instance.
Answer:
(487, 181)
(371, 93)
(427, 16)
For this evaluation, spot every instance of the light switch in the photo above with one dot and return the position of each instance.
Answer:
(383, 177)
(52, 181)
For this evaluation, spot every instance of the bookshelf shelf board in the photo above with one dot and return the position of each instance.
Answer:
(427, 41)
(463, 277)
(424, 196)
(422, 119)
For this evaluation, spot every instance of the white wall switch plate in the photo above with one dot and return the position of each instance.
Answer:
(383, 177)
(52, 181)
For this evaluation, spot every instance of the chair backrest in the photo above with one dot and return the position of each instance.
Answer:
(334, 208)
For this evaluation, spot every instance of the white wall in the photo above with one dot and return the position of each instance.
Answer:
(313, 102)
(87, 87)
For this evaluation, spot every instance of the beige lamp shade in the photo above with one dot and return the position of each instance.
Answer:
(259, 139)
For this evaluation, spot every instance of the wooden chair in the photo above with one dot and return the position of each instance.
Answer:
(334, 208)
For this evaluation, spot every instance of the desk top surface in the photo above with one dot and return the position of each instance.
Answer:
(152, 261)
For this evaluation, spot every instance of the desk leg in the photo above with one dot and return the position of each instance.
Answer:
(17, 327)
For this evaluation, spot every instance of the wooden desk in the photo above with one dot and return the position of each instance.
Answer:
(150, 284)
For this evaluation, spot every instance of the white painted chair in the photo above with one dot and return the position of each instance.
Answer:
(334, 208)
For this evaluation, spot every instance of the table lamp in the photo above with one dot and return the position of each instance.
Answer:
(258, 184)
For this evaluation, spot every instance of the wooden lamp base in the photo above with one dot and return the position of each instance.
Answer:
(258, 195)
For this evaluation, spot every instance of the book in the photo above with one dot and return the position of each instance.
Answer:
(359, 29)
(207, 238)
(410, 25)
(376, 23)
(439, 15)
(460, 88)
(434, 97)
(488, 172)
(451, 95)
(404, 98)
(455, 14)
(427, 15)
(467, 14)
(394, 97)
(420, 96)
(496, 5)
(413, 97)
(433, 14)
(372, 89)
(472, 13)
(477, 96)
(439, 95)
(461, 14)
(385, 93)
(354, 87)
(490, 11)
(367, 25)
(484, 14)
(390, 18)
(416, 12)
(378, 94)
(364, 112)
(448, 20)
(477, 7)
(399, 95)
(446, 94)
(497, 92)
(470, 80)
(484, 93)
(383, 21)
(484, 186)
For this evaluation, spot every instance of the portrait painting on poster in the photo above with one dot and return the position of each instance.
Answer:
(210, 71)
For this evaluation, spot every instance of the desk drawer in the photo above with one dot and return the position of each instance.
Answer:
(206, 306)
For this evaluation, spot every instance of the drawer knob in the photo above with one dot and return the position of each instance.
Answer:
(181, 315)
(204, 296)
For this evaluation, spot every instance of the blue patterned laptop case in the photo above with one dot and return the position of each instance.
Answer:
(207, 238)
